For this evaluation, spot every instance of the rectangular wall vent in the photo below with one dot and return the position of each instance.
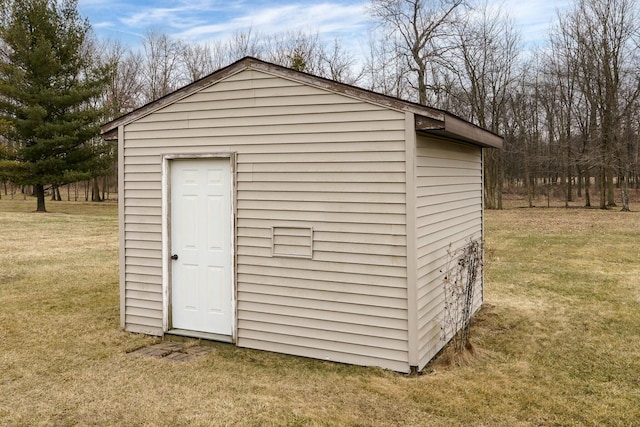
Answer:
(294, 242)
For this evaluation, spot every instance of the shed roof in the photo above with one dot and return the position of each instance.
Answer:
(427, 120)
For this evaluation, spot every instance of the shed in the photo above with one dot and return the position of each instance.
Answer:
(285, 212)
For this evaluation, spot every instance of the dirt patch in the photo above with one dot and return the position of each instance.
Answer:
(8, 277)
(175, 351)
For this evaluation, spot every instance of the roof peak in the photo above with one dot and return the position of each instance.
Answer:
(436, 118)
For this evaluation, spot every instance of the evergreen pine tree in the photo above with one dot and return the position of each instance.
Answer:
(49, 86)
(298, 61)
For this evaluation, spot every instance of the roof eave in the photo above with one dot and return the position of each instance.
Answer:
(110, 135)
(467, 130)
(455, 128)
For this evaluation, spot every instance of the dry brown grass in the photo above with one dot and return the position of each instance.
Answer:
(557, 342)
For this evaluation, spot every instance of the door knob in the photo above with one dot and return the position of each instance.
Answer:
(174, 257)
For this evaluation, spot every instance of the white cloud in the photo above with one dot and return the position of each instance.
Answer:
(206, 20)
(326, 18)
(534, 18)
(103, 25)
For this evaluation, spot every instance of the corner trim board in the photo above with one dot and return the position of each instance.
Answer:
(121, 233)
(412, 262)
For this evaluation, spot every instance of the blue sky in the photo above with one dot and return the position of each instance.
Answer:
(207, 20)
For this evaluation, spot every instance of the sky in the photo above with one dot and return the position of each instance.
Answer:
(208, 20)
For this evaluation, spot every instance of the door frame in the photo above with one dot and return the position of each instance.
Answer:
(166, 241)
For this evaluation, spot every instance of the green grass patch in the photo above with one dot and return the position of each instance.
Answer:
(557, 341)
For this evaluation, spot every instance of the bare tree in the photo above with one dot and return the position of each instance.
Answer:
(162, 65)
(605, 35)
(125, 85)
(198, 61)
(523, 129)
(565, 109)
(299, 50)
(307, 52)
(384, 72)
(421, 31)
(339, 65)
(483, 63)
(241, 44)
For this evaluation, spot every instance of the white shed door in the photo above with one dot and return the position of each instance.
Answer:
(201, 279)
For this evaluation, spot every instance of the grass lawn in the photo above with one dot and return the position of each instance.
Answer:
(558, 341)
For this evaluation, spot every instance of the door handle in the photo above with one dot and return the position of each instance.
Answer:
(174, 257)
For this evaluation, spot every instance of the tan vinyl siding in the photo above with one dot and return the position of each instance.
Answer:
(449, 212)
(306, 158)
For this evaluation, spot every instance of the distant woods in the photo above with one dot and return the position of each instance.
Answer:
(569, 108)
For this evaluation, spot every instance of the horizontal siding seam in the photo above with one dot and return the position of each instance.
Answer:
(400, 306)
(356, 350)
(332, 296)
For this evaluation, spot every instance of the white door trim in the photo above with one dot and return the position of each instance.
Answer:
(166, 233)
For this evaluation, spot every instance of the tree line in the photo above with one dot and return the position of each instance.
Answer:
(568, 109)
